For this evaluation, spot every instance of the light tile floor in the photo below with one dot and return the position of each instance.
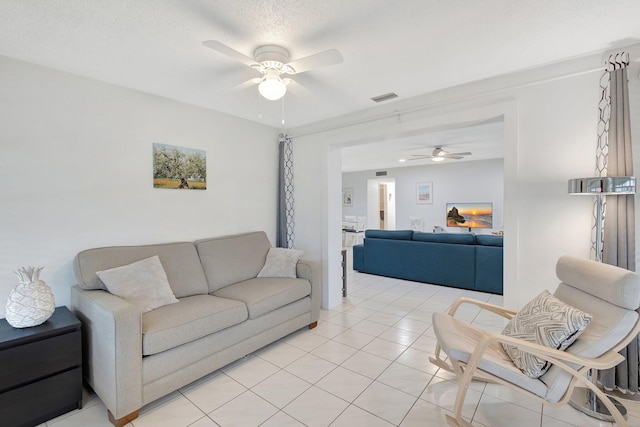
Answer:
(366, 364)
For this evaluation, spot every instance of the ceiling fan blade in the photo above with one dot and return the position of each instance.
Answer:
(231, 53)
(417, 157)
(297, 89)
(317, 60)
(466, 153)
(244, 85)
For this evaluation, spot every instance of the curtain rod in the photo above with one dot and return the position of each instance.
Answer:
(398, 113)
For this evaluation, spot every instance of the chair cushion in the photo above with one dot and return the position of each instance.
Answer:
(608, 282)
(609, 326)
(263, 295)
(459, 339)
(143, 283)
(191, 318)
(547, 321)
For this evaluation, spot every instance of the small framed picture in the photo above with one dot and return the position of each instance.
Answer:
(347, 197)
(424, 193)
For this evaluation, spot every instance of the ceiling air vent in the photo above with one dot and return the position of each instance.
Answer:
(385, 97)
(383, 173)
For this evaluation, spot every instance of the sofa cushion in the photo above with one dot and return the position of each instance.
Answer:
(456, 238)
(389, 234)
(191, 318)
(180, 261)
(143, 283)
(231, 259)
(489, 240)
(281, 262)
(262, 295)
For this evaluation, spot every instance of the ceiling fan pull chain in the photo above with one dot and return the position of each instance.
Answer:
(282, 110)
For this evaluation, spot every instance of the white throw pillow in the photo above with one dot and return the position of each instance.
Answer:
(547, 321)
(143, 283)
(281, 262)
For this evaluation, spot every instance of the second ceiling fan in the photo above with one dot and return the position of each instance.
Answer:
(273, 62)
(439, 154)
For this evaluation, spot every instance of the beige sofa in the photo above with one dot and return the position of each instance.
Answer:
(224, 313)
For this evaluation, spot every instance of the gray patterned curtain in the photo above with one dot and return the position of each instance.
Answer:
(619, 226)
(285, 235)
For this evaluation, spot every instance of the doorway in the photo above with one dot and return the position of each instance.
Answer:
(381, 204)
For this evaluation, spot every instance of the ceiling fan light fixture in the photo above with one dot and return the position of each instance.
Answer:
(437, 159)
(439, 152)
(272, 88)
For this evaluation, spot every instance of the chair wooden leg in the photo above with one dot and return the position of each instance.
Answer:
(464, 376)
(313, 325)
(455, 423)
(121, 422)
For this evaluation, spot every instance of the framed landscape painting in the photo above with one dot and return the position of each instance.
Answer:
(424, 193)
(179, 167)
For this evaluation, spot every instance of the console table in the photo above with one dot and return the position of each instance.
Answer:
(41, 370)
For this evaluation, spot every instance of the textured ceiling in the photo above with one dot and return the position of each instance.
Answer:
(409, 47)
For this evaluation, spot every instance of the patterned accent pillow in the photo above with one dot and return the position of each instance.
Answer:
(547, 321)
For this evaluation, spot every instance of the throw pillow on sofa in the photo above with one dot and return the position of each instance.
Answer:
(281, 262)
(143, 283)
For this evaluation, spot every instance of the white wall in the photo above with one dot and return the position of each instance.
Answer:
(550, 118)
(470, 181)
(76, 172)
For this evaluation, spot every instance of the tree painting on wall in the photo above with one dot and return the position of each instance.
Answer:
(424, 192)
(179, 167)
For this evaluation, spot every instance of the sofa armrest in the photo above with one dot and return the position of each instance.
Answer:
(310, 270)
(112, 341)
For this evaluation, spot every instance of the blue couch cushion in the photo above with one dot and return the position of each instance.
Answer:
(431, 262)
(457, 238)
(489, 240)
(389, 234)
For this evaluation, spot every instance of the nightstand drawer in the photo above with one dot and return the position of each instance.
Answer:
(38, 402)
(39, 359)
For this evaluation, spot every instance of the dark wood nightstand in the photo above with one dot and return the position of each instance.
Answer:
(40, 370)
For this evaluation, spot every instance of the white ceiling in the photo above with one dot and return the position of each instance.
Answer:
(409, 47)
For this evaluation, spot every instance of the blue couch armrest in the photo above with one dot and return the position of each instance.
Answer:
(489, 269)
(358, 257)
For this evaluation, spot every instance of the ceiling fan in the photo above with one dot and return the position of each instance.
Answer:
(439, 155)
(272, 61)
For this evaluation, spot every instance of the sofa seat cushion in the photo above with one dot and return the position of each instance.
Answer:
(191, 318)
(265, 294)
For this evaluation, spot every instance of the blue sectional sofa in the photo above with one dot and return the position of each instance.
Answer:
(466, 261)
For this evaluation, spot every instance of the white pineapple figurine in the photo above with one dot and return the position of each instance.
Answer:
(31, 302)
